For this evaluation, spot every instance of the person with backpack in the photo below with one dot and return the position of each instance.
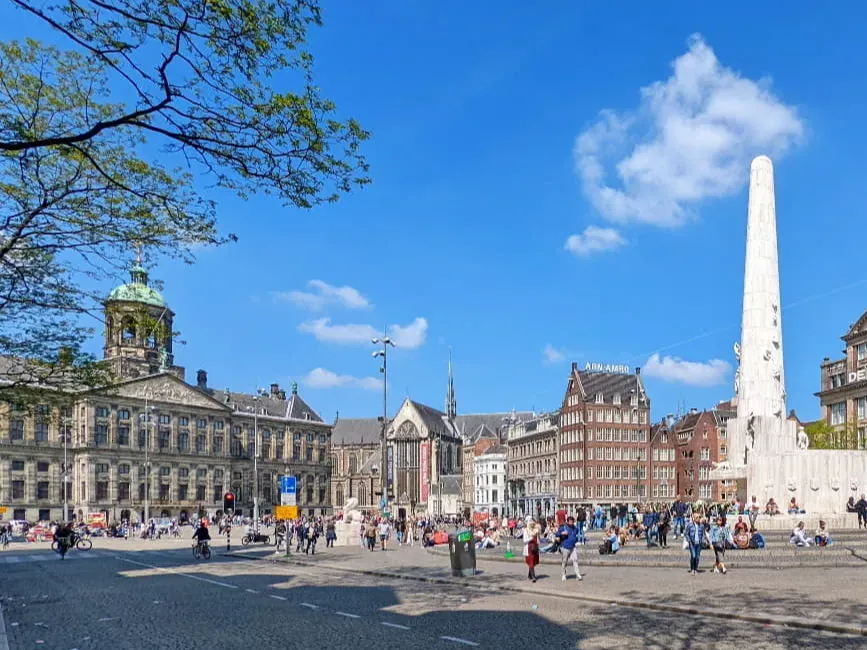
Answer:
(568, 535)
(370, 535)
(580, 522)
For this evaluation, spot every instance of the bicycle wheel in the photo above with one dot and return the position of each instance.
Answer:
(266, 540)
(245, 540)
(196, 552)
(84, 545)
(206, 553)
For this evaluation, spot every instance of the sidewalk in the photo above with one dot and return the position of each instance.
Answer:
(763, 596)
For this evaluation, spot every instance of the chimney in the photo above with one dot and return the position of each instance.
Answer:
(202, 379)
(638, 370)
(574, 366)
(275, 389)
(693, 411)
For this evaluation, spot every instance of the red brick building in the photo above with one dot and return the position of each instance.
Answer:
(604, 438)
(702, 440)
(663, 461)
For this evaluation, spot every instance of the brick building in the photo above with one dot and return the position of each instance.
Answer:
(604, 438)
(702, 441)
(663, 461)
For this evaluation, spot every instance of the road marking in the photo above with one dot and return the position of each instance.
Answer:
(395, 625)
(277, 597)
(178, 573)
(251, 591)
(104, 619)
(347, 615)
(457, 640)
(309, 606)
(4, 640)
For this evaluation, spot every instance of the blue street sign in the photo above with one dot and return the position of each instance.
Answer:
(287, 485)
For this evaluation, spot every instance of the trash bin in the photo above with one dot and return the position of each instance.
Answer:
(462, 553)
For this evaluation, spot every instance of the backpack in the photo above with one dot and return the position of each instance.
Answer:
(581, 515)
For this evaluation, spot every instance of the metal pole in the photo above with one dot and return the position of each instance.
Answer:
(147, 499)
(384, 442)
(65, 476)
(255, 468)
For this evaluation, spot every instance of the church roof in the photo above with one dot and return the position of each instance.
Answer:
(433, 419)
(471, 423)
(452, 484)
(356, 430)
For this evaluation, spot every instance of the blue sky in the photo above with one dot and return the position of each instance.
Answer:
(548, 187)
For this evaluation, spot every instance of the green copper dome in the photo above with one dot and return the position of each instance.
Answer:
(137, 290)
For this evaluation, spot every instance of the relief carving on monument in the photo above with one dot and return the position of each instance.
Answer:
(814, 484)
(803, 439)
(834, 483)
(791, 486)
(853, 485)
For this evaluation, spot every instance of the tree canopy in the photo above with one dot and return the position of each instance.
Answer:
(108, 134)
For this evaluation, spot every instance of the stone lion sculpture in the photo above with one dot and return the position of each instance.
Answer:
(350, 510)
(803, 439)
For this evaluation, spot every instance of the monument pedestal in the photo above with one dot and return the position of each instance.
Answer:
(348, 533)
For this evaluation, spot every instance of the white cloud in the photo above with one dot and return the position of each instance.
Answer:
(691, 138)
(324, 294)
(552, 354)
(410, 336)
(693, 373)
(594, 240)
(322, 378)
(404, 336)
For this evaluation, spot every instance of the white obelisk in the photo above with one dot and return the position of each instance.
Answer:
(761, 391)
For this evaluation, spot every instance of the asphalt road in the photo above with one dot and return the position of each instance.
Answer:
(161, 598)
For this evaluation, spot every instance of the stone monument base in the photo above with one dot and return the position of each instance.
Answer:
(785, 522)
(348, 534)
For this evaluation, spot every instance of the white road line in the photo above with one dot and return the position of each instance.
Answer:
(457, 640)
(4, 640)
(395, 625)
(277, 597)
(308, 605)
(178, 573)
(251, 591)
(347, 615)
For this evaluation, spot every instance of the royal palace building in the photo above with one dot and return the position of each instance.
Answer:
(151, 444)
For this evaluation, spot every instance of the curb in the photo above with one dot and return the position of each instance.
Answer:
(789, 563)
(777, 621)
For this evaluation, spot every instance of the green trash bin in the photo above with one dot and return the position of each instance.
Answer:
(462, 553)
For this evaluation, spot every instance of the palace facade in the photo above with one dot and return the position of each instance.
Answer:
(153, 445)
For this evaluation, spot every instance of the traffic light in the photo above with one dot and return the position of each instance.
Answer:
(229, 503)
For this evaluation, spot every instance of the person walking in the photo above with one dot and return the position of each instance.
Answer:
(696, 535)
(384, 532)
(720, 535)
(531, 547)
(664, 525)
(569, 534)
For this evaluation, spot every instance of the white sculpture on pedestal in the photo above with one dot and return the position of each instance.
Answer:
(348, 528)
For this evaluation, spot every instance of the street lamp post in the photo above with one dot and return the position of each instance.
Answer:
(256, 463)
(65, 474)
(146, 418)
(383, 472)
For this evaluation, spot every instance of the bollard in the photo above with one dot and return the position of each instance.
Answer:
(228, 539)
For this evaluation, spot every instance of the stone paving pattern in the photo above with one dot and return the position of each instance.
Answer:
(152, 594)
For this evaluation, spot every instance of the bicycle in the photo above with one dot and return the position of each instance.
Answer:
(202, 549)
(76, 541)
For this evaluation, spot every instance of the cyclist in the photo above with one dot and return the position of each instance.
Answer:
(63, 534)
(202, 535)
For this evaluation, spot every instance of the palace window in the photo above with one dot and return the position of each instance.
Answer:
(42, 432)
(102, 411)
(218, 445)
(200, 443)
(101, 490)
(183, 442)
(862, 408)
(17, 489)
(862, 351)
(200, 493)
(184, 421)
(218, 425)
(16, 429)
(100, 436)
(218, 493)
(42, 490)
(123, 468)
(165, 418)
(123, 491)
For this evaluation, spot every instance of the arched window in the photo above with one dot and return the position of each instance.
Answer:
(353, 464)
(128, 329)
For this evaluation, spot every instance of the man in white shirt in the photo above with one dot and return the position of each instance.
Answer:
(384, 531)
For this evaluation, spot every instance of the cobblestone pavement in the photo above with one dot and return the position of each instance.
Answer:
(132, 595)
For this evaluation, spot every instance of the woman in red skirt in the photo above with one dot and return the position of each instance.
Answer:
(531, 547)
